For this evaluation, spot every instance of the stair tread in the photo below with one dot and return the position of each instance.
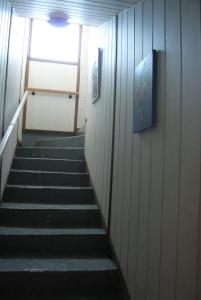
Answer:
(8, 230)
(58, 244)
(104, 296)
(55, 148)
(60, 187)
(14, 264)
(20, 206)
(47, 172)
(78, 137)
(48, 159)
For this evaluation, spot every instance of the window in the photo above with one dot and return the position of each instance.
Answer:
(52, 43)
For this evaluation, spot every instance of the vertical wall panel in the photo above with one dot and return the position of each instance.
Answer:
(14, 71)
(99, 116)
(145, 169)
(136, 163)
(5, 14)
(128, 142)
(172, 151)
(120, 143)
(12, 42)
(190, 152)
(116, 134)
(157, 157)
(155, 225)
(83, 77)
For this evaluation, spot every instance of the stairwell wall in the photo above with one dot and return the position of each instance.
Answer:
(13, 41)
(155, 216)
(98, 140)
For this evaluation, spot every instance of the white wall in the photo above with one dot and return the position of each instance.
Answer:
(100, 115)
(24, 63)
(84, 76)
(48, 111)
(10, 89)
(155, 220)
(52, 112)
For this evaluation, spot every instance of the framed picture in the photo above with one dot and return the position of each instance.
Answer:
(144, 106)
(96, 75)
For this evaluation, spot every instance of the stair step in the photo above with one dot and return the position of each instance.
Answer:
(28, 295)
(22, 241)
(43, 265)
(48, 178)
(47, 152)
(74, 141)
(48, 194)
(58, 274)
(36, 215)
(49, 164)
(52, 242)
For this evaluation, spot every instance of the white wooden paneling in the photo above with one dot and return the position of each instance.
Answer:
(11, 72)
(155, 226)
(84, 65)
(157, 156)
(189, 204)
(5, 14)
(14, 68)
(99, 121)
(24, 62)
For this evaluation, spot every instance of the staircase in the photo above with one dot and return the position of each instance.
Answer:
(52, 241)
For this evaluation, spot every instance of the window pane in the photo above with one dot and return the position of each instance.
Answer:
(49, 42)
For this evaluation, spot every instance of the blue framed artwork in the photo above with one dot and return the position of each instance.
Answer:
(144, 106)
(96, 75)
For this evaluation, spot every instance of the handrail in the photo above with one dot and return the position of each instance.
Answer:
(12, 124)
(32, 89)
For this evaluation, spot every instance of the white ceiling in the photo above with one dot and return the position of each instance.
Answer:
(88, 12)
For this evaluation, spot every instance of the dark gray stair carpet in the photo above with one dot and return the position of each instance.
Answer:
(46, 152)
(33, 265)
(30, 297)
(48, 164)
(73, 242)
(53, 216)
(75, 141)
(48, 194)
(52, 241)
(48, 178)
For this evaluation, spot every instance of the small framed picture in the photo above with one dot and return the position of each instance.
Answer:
(144, 105)
(96, 75)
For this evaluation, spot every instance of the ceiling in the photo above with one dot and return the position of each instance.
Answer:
(88, 12)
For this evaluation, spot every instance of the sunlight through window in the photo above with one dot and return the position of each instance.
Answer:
(52, 43)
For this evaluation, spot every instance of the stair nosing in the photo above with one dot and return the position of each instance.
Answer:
(48, 159)
(47, 172)
(55, 148)
(60, 207)
(59, 138)
(41, 231)
(60, 187)
(60, 265)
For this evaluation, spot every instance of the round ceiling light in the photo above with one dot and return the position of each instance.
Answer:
(58, 19)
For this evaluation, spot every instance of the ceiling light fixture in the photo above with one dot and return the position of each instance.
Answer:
(58, 19)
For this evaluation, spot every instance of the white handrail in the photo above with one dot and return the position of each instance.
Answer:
(12, 124)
